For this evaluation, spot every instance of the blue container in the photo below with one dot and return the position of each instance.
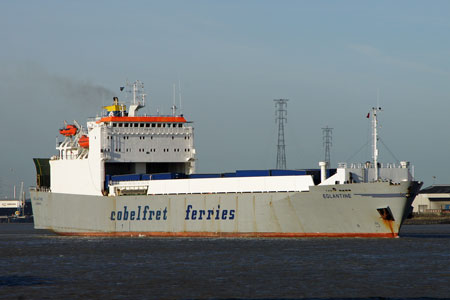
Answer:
(330, 172)
(146, 176)
(162, 176)
(107, 180)
(205, 176)
(287, 172)
(128, 177)
(252, 173)
(178, 175)
(229, 174)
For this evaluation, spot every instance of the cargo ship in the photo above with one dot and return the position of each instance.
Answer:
(127, 174)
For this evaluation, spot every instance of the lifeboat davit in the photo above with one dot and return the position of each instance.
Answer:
(69, 130)
(83, 141)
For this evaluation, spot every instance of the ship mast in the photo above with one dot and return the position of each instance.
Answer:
(375, 139)
(138, 98)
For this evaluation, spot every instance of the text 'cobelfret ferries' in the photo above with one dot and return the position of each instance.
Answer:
(145, 213)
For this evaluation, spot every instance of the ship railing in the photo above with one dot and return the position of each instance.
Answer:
(369, 166)
(40, 188)
(150, 130)
(94, 119)
(127, 187)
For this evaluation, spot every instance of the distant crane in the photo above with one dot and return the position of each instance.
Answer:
(281, 119)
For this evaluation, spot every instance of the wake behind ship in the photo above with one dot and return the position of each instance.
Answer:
(133, 175)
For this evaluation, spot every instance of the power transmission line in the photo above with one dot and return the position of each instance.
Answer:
(281, 119)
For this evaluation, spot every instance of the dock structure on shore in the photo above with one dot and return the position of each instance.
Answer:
(16, 219)
(434, 199)
(16, 211)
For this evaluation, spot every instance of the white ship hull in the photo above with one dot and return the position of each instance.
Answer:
(345, 210)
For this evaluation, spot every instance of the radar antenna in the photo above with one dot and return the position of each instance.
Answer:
(137, 90)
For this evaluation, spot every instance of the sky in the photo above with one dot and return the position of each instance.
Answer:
(333, 60)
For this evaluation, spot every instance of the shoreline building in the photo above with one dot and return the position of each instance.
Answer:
(432, 199)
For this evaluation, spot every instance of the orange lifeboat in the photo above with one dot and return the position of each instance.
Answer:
(69, 130)
(83, 141)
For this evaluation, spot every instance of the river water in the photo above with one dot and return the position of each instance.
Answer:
(40, 265)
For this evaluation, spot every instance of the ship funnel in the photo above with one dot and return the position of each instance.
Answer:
(323, 170)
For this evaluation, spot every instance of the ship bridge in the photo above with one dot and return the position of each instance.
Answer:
(145, 144)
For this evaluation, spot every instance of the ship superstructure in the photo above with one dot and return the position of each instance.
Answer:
(121, 142)
(130, 174)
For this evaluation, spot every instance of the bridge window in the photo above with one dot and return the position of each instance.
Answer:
(114, 124)
(126, 125)
(180, 125)
(120, 124)
(147, 124)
